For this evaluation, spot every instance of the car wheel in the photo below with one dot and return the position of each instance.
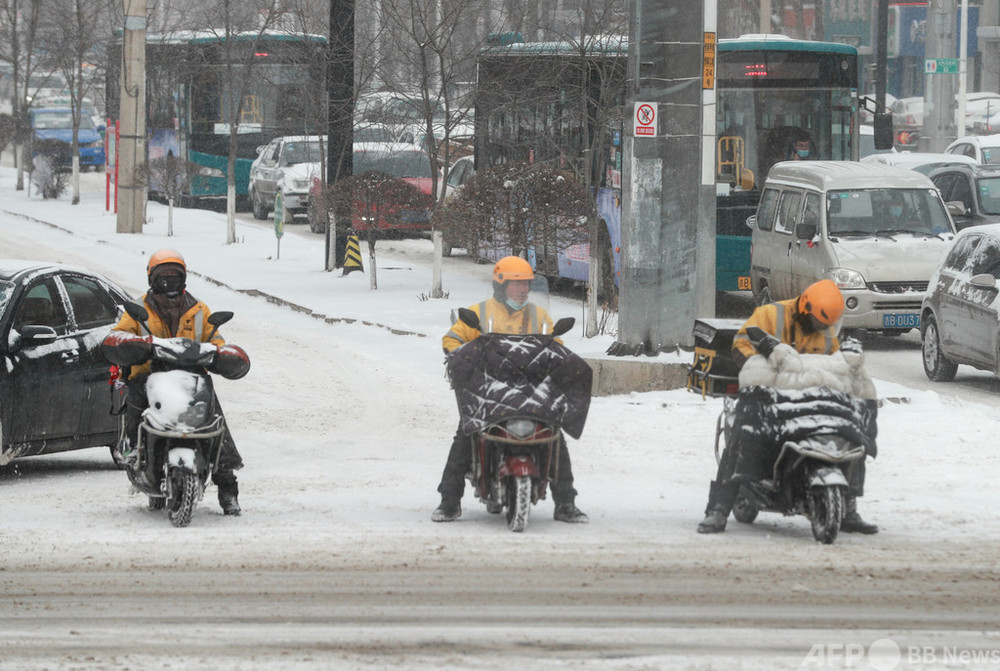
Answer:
(259, 212)
(316, 223)
(936, 366)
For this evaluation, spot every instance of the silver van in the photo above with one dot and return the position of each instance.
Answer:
(877, 231)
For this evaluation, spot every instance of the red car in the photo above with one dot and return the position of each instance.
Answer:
(405, 161)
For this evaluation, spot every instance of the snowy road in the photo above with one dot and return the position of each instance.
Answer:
(336, 565)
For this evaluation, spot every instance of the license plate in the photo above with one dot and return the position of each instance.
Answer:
(743, 283)
(894, 320)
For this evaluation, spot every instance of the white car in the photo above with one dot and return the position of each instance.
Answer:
(983, 149)
(286, 165)
(920, 161)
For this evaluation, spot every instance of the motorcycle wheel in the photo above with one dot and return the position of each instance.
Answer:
(744, 509)
(185, 486)
(518, 502)
(826, 507)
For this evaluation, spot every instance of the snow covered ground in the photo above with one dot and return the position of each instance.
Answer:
(344, 423)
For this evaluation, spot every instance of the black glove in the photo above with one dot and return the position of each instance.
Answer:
(127, 349)
(231, 362)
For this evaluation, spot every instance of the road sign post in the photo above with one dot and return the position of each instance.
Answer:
(279, 221)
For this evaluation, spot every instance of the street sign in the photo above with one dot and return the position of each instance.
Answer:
(279, 213)
(941, 66)
(708, 62)
(645, 119)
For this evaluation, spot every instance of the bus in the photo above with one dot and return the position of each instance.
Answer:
(770, 91)
(200, 83)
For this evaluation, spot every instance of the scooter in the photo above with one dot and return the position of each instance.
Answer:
(181, 432)
(516, 394)
(806, 445)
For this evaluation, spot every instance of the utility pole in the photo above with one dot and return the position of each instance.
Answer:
(132, 110)
(340, 142)
(939, 91)
(668, 186)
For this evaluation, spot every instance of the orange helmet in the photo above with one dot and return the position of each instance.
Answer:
(823, 301)
(512, 268)
(162, 257)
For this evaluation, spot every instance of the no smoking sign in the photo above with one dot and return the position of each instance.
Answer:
(645, 119)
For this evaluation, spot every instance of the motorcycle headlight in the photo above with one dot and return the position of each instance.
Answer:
(847, 279)
(522, 428)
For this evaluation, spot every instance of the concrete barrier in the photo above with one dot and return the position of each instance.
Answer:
(622, 376)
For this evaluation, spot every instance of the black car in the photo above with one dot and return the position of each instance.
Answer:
(976, 187)
(54, 392)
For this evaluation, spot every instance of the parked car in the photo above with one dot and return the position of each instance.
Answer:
(982, 148)
(401, 160)
(53, 378)
(285, 165)
(971, 192)
(875, 230)
(960, 314)
(55, 124)
(921, 161)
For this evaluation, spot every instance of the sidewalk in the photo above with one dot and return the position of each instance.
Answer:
(292, 274)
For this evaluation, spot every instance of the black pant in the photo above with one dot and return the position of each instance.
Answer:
(460, 463)
(137, 401)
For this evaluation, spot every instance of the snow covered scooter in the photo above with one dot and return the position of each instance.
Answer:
(516, 394)
(799, 442)
(181, 432)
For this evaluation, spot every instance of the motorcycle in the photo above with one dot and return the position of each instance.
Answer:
(181, 432)
(798, 448)
(516, 394)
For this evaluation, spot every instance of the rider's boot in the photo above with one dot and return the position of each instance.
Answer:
(716, 513)
(852, 522)
(229, 492)
(566, 511)
(449, 510)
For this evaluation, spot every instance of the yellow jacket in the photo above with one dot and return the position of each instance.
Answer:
(778, 320)
(496, 317)
(193, 324)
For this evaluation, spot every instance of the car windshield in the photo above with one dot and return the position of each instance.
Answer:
(60, 121)
(989, 194)
(885, 212)
(398, 164)
(301, 152)
(991, 155)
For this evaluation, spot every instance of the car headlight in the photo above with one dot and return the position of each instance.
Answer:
(98, 143)
(301, 184)
(206, 171)
(846, 278)
(522, 428)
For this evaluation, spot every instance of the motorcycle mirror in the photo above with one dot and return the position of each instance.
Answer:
(564, 325)
(136, 312)
(756, 334)
(469, 318)
(219, 318)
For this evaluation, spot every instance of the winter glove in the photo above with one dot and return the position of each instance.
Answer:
(851, 345)
(231, 362)
(127, 349)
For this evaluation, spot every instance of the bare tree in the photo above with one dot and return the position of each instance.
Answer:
(439, 51)
(379, 200)
(75, 37)
(19, 21)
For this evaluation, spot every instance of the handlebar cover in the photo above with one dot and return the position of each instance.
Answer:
(231, 362)
(127, 349)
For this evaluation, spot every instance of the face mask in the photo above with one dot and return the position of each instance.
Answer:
(515, 306)
(169, 285)
(895, 210)
(803, 153)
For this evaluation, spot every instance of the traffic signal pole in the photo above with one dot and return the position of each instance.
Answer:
(668, 181)
(132, 110)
